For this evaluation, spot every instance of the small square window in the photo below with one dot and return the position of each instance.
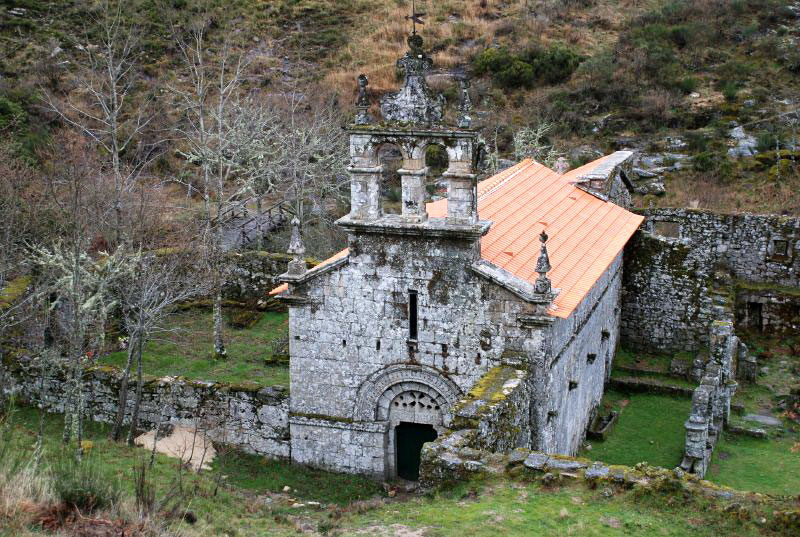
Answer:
(780, 247)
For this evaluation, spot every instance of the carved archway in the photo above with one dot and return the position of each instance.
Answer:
(378, 392)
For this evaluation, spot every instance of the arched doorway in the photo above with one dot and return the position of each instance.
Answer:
(415, 417)
(412, 400)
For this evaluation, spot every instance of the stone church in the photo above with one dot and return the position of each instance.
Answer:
(522, 269)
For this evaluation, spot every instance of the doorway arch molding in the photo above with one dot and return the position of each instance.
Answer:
(376, 394)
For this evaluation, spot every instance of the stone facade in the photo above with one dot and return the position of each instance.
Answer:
(670, 266)
(252, 418)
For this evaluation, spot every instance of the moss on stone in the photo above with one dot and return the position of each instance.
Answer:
(742, 285)
(13, 291)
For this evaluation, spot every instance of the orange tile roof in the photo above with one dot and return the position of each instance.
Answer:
(586, 233)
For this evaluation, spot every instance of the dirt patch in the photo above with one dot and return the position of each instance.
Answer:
(190, 445)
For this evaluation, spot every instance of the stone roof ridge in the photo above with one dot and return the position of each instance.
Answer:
(597, 179)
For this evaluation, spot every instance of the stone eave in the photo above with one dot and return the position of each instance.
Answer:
(508, 281)
(415, 130)
(292, 279)
(605, 172)
(432, 227)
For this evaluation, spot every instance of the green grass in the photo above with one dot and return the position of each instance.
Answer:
(515, 508)
(247, 502)
(649, 429)
(759, 465)
(187, 349)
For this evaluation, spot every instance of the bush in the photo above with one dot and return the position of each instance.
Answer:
(244, 318)
(518, 74)
(550, 66)
(730, 90)
(83, 487)
(688, 84)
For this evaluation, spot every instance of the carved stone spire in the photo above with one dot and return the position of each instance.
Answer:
(362, 103)
(297, 266)
(415, 102)
(542, 284)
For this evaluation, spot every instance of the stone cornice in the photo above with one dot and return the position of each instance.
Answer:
(433, 227)
(508, 281)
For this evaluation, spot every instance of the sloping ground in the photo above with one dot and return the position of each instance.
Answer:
(245, 496)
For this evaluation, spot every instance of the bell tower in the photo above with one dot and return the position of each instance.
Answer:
(413, 119)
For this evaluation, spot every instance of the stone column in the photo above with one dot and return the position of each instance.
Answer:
(413, 186)
(462, 202)
(365, 192)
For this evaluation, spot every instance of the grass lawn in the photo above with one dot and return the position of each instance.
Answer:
(649, 429)
(250, 501)
(767, 465)
(518, 508)
(187, 348)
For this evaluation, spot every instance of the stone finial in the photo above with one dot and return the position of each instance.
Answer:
(542, 284)
(297, 266)
(466, 103)
(562, 166)
(415, 102)
(362, 103)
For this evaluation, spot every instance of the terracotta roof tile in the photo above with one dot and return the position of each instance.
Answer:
(586, 233)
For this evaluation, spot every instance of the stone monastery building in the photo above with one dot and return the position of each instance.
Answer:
(519, 273)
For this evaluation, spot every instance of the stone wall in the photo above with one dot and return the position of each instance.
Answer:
(252, 418)
(670, 265)
(582, 349)
(252, 274)
(711, 401)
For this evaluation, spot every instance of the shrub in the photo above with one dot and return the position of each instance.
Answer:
(492, 60)
(688, 84)
(244, 318)
(518, 74)
(550, 66)
(10, 112)
(730, 90)
(554, 65)
(82, 486)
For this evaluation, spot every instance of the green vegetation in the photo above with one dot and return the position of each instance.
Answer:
(650, 429)
(244, 496)
(185, 351)
(13, 291)
(553, 65)
(763, 465)
(515, 508)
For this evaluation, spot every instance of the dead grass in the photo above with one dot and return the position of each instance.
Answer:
(706, 191)
(456, 31)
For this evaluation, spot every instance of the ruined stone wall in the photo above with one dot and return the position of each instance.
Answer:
(670, 264)
(711, 401)
(581, 353)
(251, 418)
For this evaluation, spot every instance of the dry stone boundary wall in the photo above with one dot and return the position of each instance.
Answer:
(252, 418)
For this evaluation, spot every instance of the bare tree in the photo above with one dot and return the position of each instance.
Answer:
(147, 297)
(79, 280)
(213, 124)
(102, 105)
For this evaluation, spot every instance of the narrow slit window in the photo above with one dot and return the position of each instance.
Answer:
(412, 315)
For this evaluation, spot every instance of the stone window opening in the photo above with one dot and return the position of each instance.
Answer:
(604, 335)
(590, 358)
(779, 249)
(478, 359)
(390, 158)
(344, 343)
(572, 385)
(378, 345)
(413, 315)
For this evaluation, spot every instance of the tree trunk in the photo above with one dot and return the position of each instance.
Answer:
(139, 386)
(219, 343)
(123, 393)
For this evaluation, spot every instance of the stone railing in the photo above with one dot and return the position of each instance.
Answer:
(247, 416)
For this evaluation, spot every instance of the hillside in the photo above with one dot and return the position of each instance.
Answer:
(670, 78)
